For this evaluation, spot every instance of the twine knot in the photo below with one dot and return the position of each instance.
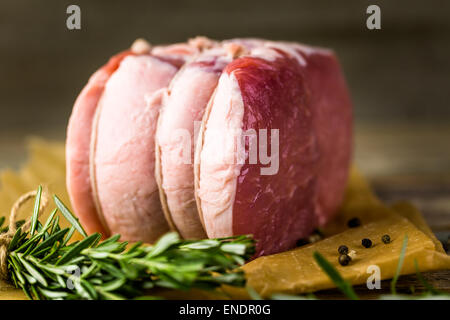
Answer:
(6, 237)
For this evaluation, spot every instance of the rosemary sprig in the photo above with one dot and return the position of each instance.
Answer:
(46, 265)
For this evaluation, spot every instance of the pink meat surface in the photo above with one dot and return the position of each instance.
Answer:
(180, 116)
(301, 92)
(78, 146)
(80, 129)
(124, 159)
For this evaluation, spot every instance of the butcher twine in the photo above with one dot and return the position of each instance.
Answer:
(5, 238)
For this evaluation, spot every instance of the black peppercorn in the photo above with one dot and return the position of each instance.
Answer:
(367, 243)
(343, 249)
(354, 222)
(302, 242)
(386, 239)
(344, 259)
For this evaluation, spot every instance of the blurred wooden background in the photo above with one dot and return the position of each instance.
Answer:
(399, 75)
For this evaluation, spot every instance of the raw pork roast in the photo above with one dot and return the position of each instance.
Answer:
(244, 136)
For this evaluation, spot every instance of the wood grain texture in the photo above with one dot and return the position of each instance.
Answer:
(409, 284)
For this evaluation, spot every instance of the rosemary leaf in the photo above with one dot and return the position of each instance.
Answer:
(15, 239)
(34, 217)
(72, 253)
(56, 236)
(36, 274)
(69, 216)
